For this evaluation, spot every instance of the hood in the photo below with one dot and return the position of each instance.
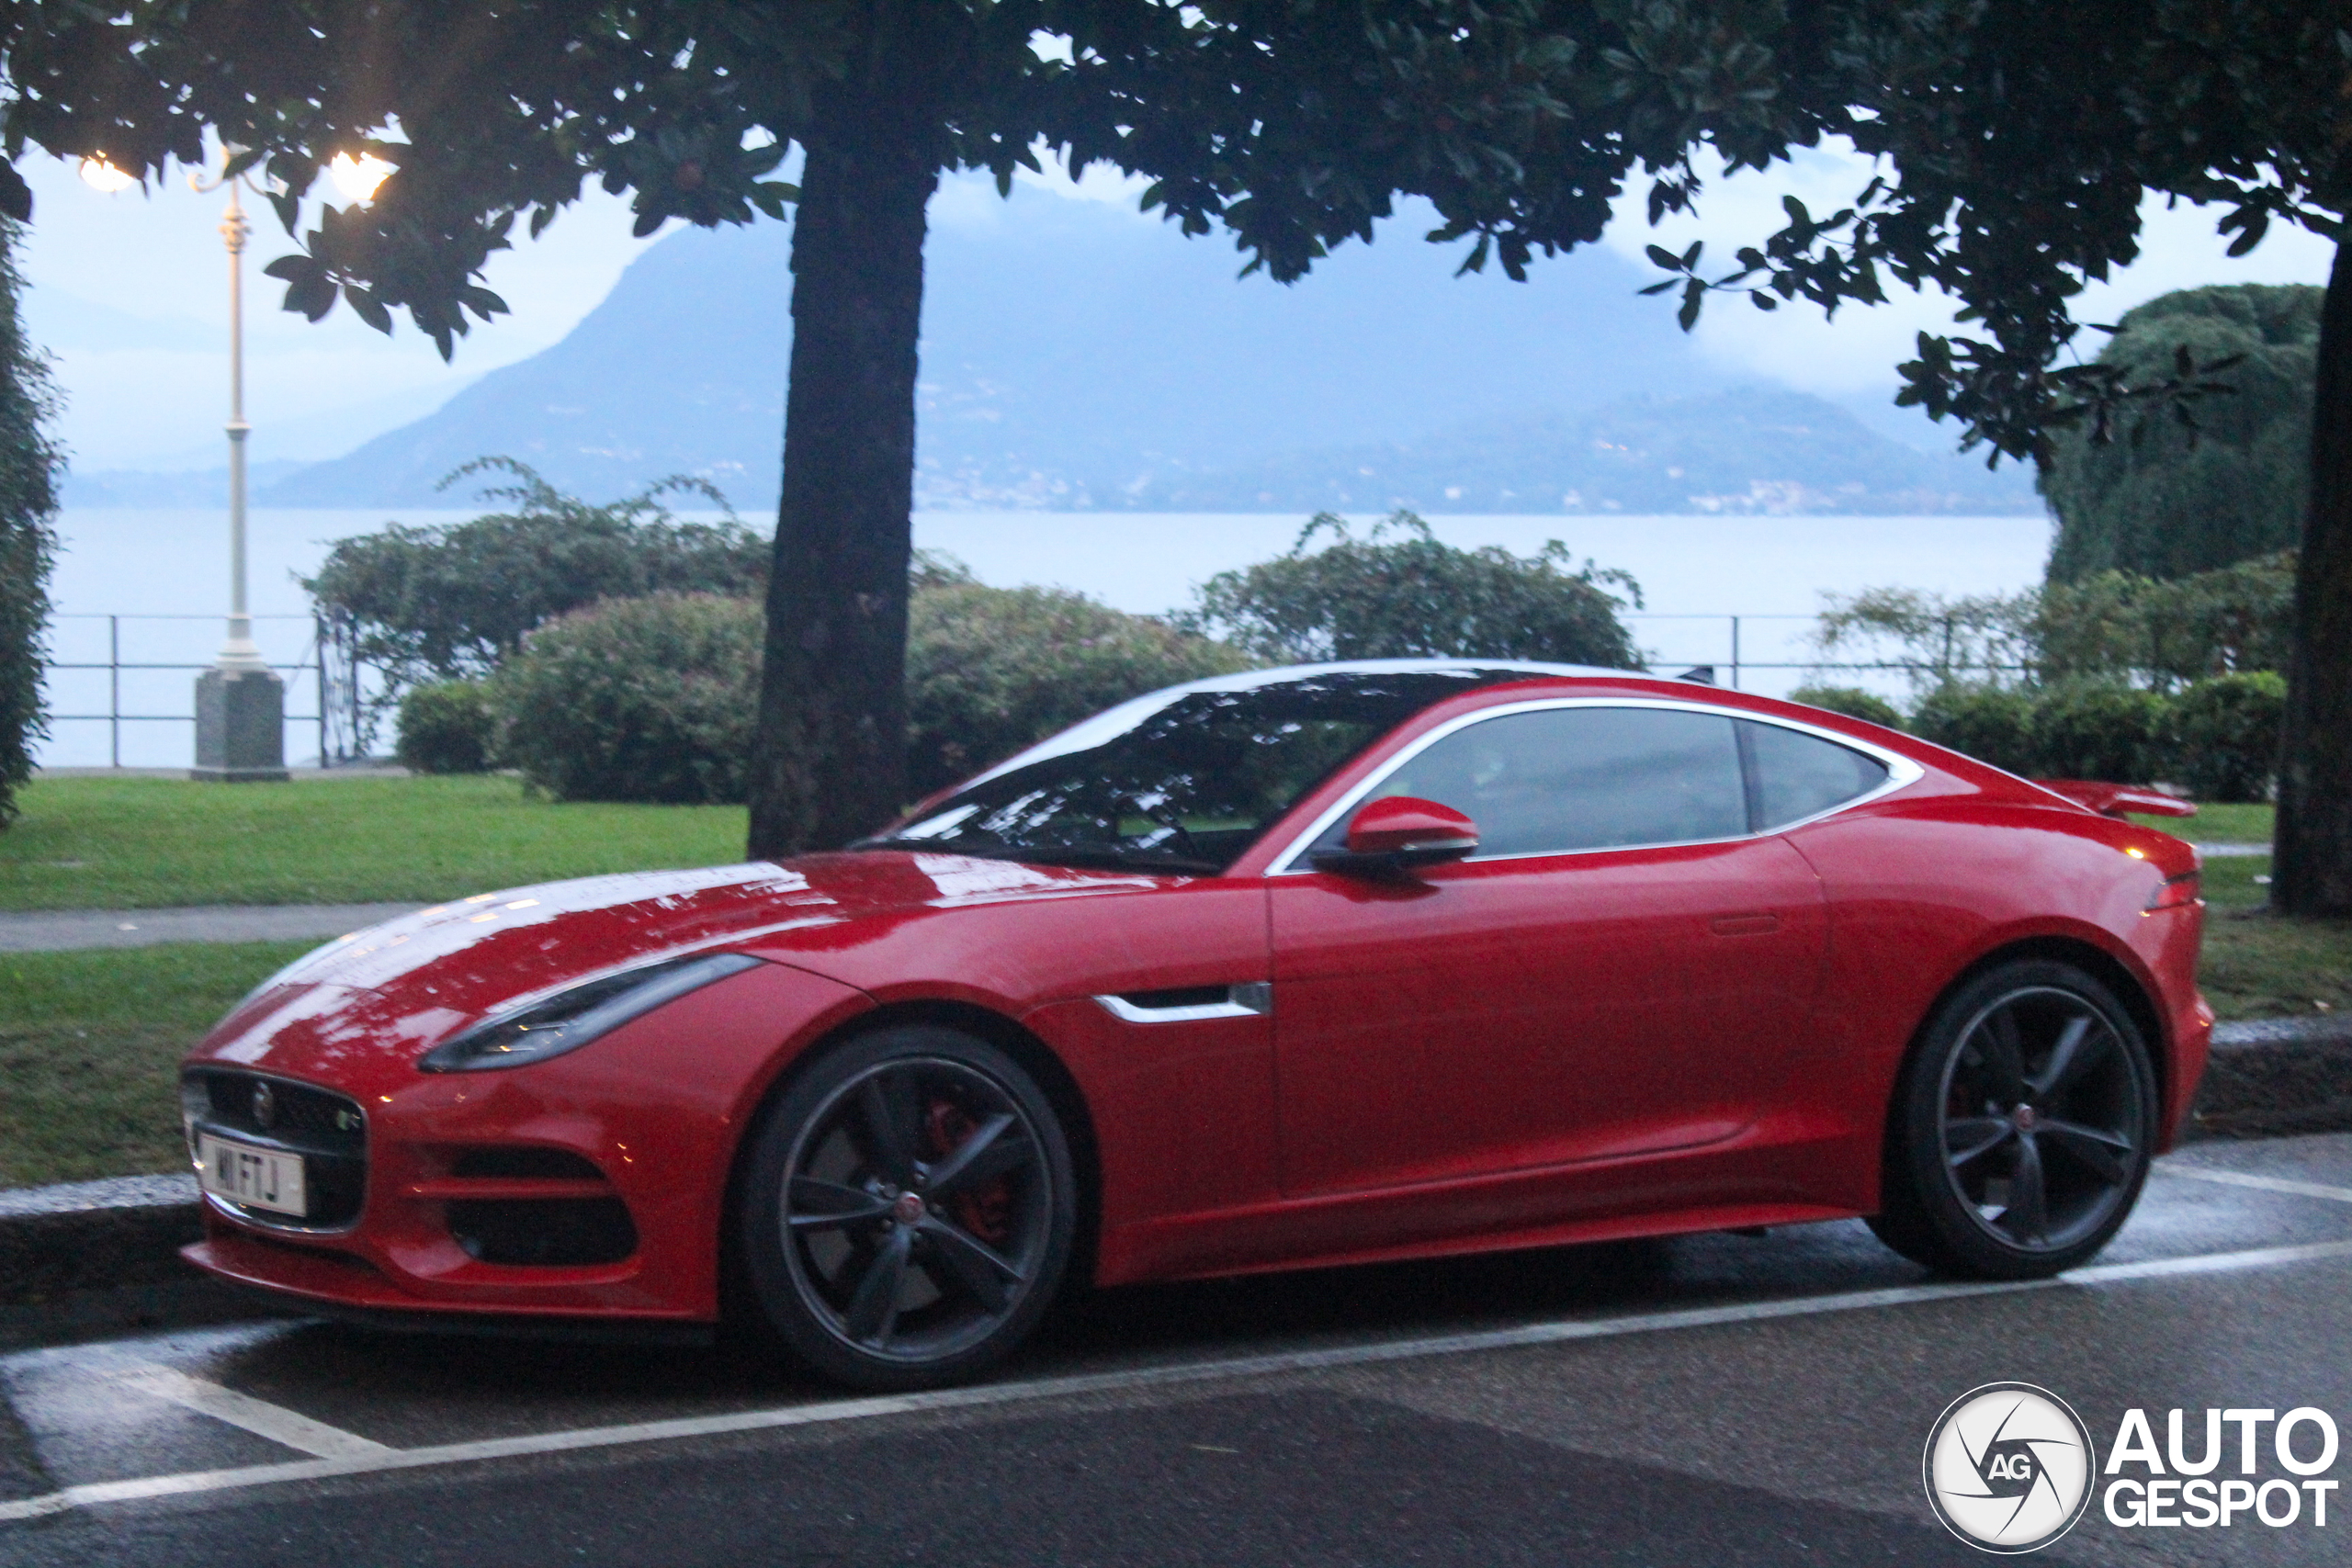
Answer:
(418, 978)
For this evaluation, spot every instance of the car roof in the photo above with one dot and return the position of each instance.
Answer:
(1112, 722)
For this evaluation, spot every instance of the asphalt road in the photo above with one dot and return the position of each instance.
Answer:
(1712, 1399)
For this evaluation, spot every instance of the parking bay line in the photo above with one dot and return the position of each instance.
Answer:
(285, 1427)
(837, 1411)
(2262, 1183)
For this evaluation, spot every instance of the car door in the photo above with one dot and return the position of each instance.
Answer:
(1622, 968)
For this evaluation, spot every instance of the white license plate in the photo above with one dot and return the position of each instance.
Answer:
(259, 1178)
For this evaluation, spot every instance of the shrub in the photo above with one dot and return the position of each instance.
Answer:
(445, 728)
(2098, 730)
(2224, 735)
(1989, 723)
(451, 600)
(992, 669)
(1851, 701)
(647, 699)
(1418, 597)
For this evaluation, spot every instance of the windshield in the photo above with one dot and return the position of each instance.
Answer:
(1183, 786)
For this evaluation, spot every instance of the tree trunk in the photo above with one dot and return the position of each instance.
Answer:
(2311, 864)
(829, 762)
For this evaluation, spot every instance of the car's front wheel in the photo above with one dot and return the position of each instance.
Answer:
(2022, 1126)
(908, 1209)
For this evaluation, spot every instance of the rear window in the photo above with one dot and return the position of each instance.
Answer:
(1798, 775)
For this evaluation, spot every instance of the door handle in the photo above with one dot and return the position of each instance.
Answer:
(1757, 924)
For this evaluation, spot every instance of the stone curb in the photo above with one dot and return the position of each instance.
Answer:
(95, 1256)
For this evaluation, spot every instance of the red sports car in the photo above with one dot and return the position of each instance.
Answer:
(1300, 968)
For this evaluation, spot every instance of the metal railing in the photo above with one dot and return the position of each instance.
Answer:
(1728, 653)
(335, 685)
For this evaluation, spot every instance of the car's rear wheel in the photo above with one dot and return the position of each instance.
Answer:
(908, 1209)
(2022, 1126)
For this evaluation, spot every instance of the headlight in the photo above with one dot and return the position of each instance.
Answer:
(571, 1018)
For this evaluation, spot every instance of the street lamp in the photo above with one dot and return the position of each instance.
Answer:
(240, 702)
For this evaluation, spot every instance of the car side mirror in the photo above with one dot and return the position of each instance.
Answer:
(1388, 837)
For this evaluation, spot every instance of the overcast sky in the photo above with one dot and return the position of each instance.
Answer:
(129, 293)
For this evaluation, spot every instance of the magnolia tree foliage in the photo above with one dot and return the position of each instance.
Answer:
(2221, 479)
(1418, 597)
(2014, 141)
(1293, 125)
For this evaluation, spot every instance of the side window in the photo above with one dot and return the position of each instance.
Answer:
(1561, 779)
(1798, 775)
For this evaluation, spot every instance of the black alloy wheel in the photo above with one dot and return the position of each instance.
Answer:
(908, 1209)
(2022, 1128)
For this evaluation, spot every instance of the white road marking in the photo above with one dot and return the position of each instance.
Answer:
(2262, 1183)
(258, 1416)
(836, 1411)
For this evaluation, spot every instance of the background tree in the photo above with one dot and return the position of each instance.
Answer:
(2167, 498)
(1294, 124)
(29, 464)
(2017, 138)
(1418, 597)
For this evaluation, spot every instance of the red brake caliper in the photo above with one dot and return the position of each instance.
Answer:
(986, 1211)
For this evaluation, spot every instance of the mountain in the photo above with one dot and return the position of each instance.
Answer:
(1077, 355)
(1749, 449)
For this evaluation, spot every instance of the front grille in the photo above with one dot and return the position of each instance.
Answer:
(327, 1129)
(543, 1232)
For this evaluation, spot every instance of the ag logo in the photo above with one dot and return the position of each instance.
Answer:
(2009, 1467)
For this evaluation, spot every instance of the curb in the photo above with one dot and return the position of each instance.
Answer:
(89, 1258)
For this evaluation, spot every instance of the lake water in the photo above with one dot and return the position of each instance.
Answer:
(1695, 572)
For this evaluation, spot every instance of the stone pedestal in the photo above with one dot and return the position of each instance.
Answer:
(239, 726)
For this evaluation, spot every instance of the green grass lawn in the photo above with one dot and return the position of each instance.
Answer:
(88, 1044)
(146, 843)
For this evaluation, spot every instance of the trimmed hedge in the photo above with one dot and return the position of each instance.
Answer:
(2226, 733)
(2219, 738)
(1989, 724)
(446, 727)
(648, 699)
(1851, 701)
(991, 670)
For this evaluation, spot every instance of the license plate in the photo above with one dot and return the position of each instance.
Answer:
(259, 1178)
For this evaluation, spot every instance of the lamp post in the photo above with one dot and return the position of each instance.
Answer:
(240, 702)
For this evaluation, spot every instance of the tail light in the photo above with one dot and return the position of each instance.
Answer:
(2177, 892)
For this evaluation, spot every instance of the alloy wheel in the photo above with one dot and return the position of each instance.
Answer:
(2044, 1120)
(919, 1210)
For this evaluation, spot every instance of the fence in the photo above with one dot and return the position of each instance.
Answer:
(1768, 653)
(1728, 644)
(333, 684)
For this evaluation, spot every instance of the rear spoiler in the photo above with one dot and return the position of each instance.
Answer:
(2115, 800)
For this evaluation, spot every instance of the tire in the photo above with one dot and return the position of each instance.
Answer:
(907, 1209)
(2022, 1126)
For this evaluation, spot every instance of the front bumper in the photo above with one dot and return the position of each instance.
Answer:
(591, 1185)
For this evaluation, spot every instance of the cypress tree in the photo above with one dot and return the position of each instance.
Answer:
(2165, 499)
(28, 469)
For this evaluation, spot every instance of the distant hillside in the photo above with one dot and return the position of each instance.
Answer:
(1753, 449)
(1078, 356)
(1072, 352)
(136, 488)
